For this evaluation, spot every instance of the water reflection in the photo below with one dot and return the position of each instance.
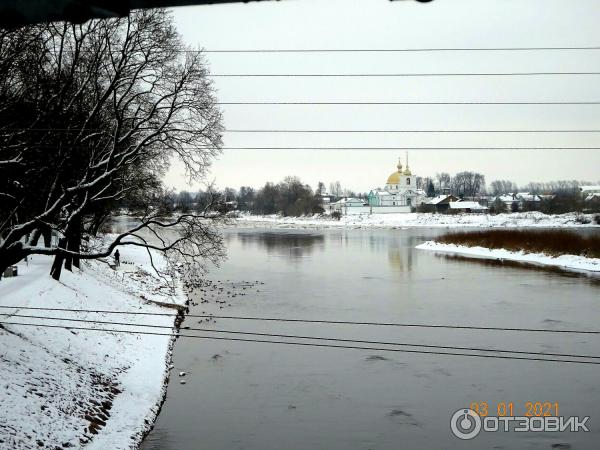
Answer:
(592, 277)
(400, 259)
(160, 439)
(290, 245)
(259, 396)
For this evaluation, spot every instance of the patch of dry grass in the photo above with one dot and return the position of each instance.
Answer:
(550, 242)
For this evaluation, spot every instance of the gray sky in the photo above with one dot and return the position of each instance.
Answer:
(368, 24)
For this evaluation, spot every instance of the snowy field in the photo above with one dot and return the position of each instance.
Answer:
(566, 262)
(70, 388)
(514, 220)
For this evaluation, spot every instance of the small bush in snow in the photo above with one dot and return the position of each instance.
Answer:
(582, 220)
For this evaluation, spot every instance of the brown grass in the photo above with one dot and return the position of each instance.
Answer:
(550, 242)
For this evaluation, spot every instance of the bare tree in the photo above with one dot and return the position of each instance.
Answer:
(443, 180)
(87, 109)
(468, 184)
(321, 188)
(335, 189)
(499, 187)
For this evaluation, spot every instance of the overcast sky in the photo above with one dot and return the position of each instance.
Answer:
(380, 24)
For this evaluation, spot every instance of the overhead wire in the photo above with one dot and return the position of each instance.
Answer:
(307, 344)
(319, 321)
(396, 75)
(317, 338)
(406, 103)
(397, 50)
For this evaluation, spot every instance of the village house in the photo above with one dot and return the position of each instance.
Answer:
(349, 206)
(466, 207)
(592, 201)
(439, 204)
(586, 191)
(519, 200)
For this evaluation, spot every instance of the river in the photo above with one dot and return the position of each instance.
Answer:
(263, 396)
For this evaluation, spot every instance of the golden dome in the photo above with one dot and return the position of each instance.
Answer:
(395, 177)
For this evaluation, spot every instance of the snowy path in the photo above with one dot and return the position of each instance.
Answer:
(70, 388)
(567, 262)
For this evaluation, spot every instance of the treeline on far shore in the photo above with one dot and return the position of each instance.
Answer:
(289, 197)
(292, 197)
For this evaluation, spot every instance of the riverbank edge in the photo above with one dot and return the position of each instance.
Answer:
(151, 418)
(573, 263)
(422, 220)
(135, 289)
(180, 305)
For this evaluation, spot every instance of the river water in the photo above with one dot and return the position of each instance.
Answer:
(263, 396)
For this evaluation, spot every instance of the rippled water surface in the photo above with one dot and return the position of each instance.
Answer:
(263, 396)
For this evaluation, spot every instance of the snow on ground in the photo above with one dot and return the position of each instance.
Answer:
(73, 388)
(525, 219)
(567, 262)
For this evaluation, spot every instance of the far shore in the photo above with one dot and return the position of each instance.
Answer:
(557, 247)
(410, 220)
(573, 263)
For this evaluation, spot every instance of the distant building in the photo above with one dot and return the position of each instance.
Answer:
(400, 193)
(586, 190)
(466, 207)
(349, 206)
(592, 202)
(519, 201)
(439, 204)
(325, 199)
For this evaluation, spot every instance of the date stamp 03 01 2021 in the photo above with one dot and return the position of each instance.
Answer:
(511, 409)
(467, 423)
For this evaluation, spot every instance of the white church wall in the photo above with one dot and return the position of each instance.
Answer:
(355, 211)
(390, 209)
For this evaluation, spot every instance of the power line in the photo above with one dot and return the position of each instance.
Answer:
(383, 148)
(278, 319)
(407, 103)
(376, 50)
(396, 75)
(408, 131)
(317, 338)
(239, 130)
(410, 148)
(306, 344)
(397, 50)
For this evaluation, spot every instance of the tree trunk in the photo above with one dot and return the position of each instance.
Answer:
(47, 234)
(68, 260)
(98, 220)
(11, 256)
(76, 243)
(58, 260)
(36, 236)
(42, 231)
(73, 235)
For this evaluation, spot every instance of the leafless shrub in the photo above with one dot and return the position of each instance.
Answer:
(551, 242)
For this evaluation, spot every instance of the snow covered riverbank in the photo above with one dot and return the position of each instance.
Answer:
(566, 262)
(70, 388)
(514, 220)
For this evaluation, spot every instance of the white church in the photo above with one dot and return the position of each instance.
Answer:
(400, 194)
